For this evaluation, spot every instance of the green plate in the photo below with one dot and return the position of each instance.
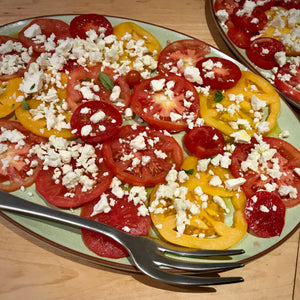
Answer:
(69, 239)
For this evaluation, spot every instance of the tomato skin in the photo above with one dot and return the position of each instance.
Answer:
(224, 77)
(246, 22)
(76, 76)
(17, 172)
(48, 27)
(204, 141)
(266, 223)
(189, 51)
(81, 24)
(123, 213)
(289, 159)
(262, 50)
(155, 107)
(289, 86)
(112, 121)
(239, 37)
(119, 155)
(133, 77)
(56, 193)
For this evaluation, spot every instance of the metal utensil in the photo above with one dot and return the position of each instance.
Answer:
(147, 254)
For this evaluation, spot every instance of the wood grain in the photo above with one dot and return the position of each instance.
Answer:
(30, 269)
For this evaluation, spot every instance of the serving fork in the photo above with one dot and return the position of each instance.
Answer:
(153, 257)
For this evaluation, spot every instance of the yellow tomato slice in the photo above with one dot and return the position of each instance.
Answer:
(39, 126)
(207, 228)
(241, 109)
(139, 56)
(280, 28)
(10, 96)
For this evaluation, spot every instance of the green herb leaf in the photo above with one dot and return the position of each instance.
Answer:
(106, 81)
(25, 105)
(32, 87)
(13, 105)
(189, 172)
(218, 96)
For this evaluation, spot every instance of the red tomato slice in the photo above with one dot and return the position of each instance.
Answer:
(94, 86)
(253, 23)
(204, 141)
(123, 214)
(262, 52)
(289, 4)
(59, 195)
(141, 155)
(265, 5)
(188, 52)
(239, 37)
(20, 70)
(166, 101)
(17, 166)
(81, 24)
(288, 159)
(287, 80)
(59, 29)
(219, 73)
(265, 214)
(228, 5)
(96, 121)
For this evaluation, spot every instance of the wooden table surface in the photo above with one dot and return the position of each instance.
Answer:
(31, 269)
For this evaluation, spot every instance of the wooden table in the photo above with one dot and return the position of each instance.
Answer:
(30, 269)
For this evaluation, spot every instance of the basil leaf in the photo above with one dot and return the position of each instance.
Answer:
(106, 81)
(189, 172)
(25, 105)
(218, 96)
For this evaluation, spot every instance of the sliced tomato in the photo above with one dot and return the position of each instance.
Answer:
(96, 121)
(262, 50)
(90, 76)
(265, 214)
(11, 70)
(228, 5)
(262, 177)
(253, 22)
(52, 29)
(204, 141)
(141, 155)
(162, 101)
(57, 193)
(287, 80)
(176, 56)
(17, 166)
(219, 73)
(265, 5)
(239, 37)
(123, 215)
(289, 4)
(81, 24)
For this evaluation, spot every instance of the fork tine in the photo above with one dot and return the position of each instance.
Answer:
(179, 279)
(195, 266)
(187, 252)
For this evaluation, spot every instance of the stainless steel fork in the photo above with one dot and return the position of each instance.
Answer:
(147, 254)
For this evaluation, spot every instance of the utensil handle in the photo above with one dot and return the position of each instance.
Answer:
(13, 203)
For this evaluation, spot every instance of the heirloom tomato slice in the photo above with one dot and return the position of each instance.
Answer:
(277, 174)
(81, 24)
(96, 121)
(265, 214)
(18, 167)
(85, 84)
(140, 155)
(48, 28)
(123, 215)
(166, 101)
(210, 224)
(176, 56)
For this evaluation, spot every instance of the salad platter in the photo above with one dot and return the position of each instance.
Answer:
(70, 239)
(266, 48)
